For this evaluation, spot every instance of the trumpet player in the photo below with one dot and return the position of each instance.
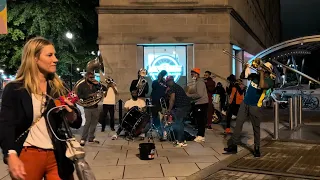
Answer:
(109, 102)
(250, 107)
(135, 86)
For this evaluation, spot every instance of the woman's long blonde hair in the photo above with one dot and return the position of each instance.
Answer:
(28, 72)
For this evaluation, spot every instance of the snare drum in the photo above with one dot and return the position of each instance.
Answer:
(135, 121)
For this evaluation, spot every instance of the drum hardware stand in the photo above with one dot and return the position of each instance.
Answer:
(167, 125)
(152, 126)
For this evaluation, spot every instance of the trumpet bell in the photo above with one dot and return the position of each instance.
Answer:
(256, 63)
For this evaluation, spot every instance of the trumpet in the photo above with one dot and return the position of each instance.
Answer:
(256, 64)
(142, 82)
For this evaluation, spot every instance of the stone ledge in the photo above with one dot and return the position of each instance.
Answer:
(161, 9)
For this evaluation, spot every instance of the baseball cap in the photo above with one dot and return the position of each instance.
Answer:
(196, 70)
(169, 78)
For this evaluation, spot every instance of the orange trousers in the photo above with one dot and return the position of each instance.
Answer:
(39, 164)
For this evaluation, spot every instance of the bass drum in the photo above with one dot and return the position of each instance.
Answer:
(135, 121)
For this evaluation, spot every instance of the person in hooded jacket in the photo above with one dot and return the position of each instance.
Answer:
(200, 96)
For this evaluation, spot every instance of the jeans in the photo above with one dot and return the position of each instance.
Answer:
(179, 114)
(89, 129)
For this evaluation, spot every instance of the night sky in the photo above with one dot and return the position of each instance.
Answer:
(300, 18)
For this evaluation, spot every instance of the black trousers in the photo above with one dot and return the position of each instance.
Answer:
(201, 111)
(107, 108)
(232, 110)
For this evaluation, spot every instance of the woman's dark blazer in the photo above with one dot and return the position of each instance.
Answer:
(16, 117)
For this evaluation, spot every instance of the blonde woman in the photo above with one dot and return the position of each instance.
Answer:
(29, 147)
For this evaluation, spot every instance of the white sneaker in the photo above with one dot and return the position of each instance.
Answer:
(224, 113)
(182, 144)
(114, 137)
(199, 139)
(234, 117)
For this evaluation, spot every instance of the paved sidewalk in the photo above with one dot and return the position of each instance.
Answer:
(117, 159)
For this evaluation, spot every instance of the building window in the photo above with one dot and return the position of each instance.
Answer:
(173, 59)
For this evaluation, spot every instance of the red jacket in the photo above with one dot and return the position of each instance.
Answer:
(211, 85)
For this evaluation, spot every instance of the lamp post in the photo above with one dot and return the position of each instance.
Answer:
(69, 36)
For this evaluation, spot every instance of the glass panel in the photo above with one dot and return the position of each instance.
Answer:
(173, 59)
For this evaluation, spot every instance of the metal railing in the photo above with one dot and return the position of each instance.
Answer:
(295, 113)
(276, 116)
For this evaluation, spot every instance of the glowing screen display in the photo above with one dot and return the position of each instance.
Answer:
(169, 58)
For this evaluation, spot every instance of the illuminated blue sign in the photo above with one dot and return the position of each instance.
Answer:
(166, 62)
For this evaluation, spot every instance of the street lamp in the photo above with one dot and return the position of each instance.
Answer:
(69, 35)
(78, 69)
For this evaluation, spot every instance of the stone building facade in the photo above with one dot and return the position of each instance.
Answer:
(203, 27)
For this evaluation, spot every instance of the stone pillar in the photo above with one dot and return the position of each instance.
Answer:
(238, 64)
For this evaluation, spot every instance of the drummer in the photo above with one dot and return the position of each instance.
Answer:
(134, 101)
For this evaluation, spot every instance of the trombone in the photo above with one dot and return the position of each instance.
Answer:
(256, 64)
(278, 63)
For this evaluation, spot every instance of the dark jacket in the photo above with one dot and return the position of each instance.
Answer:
(158, 91)
(133, 86)
(16, 117)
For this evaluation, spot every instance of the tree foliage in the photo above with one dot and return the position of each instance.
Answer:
(51, 19)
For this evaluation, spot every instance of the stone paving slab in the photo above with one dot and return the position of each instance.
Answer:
(179, 169)
(235, 175)
(143, 171)
(117, 159)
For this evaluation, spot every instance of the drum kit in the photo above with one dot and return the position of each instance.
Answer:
(135, 121)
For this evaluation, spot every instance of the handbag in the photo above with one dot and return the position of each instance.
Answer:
(216, 98)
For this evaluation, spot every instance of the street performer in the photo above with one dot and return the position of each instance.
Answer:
(134, 85)
(86, 90)
(109, 102)
(250, 107)
(133, 102)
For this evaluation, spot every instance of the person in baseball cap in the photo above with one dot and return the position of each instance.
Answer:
(196, 70)
(200, 96)
(179, 104)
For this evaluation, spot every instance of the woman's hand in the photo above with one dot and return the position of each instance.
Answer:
(71, 115)
(69, 104)
(16, 167)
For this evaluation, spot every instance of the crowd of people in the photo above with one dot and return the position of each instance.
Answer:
(29, 128)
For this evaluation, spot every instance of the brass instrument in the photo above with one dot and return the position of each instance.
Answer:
(256, 65)
(95, 64)
(109, 80)
(142, 82)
